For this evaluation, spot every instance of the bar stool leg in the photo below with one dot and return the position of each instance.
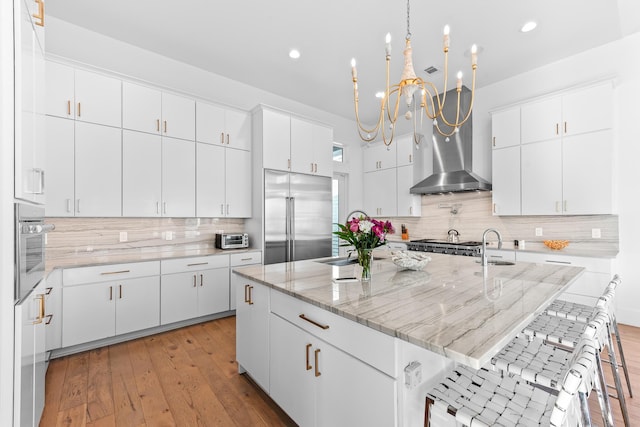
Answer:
(584, 409)
(621, 352)
(616, 378)
(602, 394)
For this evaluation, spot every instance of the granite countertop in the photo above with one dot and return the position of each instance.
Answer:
(91, 258)
(454, 307)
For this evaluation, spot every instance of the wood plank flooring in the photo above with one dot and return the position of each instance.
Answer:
(189, 377)
(186, 377)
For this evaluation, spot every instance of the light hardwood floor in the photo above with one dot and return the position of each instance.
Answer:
(189, 377)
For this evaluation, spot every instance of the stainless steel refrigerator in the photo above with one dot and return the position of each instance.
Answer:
(297, 216)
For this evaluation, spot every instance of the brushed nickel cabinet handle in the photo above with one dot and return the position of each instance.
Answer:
(79, 110)
(68, 205)
(165, 126)
(110, 293)
(197, 263)
(313, 322)
(565, 127)
(106, 273)
(494, 141)
(227, 139)
(308, 366)
(157, 125)
(410, 158)
(120, 291)
(557, 129)
(201, 280)
(221, 208)
(317, 368)
(195, 279)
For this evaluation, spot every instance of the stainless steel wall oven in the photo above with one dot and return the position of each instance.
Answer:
(29, 255)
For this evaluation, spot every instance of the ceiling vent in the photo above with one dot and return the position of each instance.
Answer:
(431, 70)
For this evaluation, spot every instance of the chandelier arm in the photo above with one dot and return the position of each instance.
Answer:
(357, 113)
(456, 123)
(395, 91)
(446, 81)
(441, 132)
(431, 96)
(384, 136)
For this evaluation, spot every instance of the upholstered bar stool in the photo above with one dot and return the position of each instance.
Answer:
(486, 398)
(565, 332)
(584, 313)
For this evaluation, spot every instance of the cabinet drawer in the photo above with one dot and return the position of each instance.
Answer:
(502, 255)
(600, 265)
(109, 272)
(370, 346)
(180, 265)
(245, 258)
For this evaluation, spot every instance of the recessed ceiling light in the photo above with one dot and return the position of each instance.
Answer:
(294, 54)
(529, 26)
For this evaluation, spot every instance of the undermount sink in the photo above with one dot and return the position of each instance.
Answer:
(339, 261)
(499, 262)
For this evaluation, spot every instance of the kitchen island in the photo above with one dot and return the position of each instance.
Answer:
(453, 311)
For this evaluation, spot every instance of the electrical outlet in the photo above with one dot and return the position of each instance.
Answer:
(168, 235)
(595, 233)
(413, 375)
(123, 236)
(538, 231)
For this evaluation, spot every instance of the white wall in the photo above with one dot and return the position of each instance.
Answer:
(6, 213)
(618, 60)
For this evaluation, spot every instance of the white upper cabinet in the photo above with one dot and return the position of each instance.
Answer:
(60, 172)
(405, 150)
(217, 125)
(178, 178)
(98, 98)
(238, 184)
(542, 178)
(276, 140)
(210, 180)
(311, 146)
(506, 181)
(149, 110)
(141, 174)
(588, 110)
(141, 108)
(379, 156)
(541, 120)
(98, 171)
(505, 128)
(178, 117)
(408, 204)
(83, 95)
(60, 100)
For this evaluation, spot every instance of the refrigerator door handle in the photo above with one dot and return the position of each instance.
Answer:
(287, 228)
(292, 225)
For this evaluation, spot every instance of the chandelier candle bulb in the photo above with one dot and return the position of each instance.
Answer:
(474, 56)
(459, 85)
(354, 72)
(387, 47)
(446, 38)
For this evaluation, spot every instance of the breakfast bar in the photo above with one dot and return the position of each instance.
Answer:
(405, 327)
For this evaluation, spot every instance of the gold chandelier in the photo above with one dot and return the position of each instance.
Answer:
(430, 100)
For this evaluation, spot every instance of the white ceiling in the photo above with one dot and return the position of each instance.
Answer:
(249, 41)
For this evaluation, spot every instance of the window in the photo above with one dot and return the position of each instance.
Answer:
(338, 153)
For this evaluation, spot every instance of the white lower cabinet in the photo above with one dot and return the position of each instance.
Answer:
(104, 301)
(194, 287)
(316, 383)
(252, 329)
(237, 260)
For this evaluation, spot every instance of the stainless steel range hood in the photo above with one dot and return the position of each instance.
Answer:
(452, 160)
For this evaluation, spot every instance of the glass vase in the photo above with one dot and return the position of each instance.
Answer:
(365, 258)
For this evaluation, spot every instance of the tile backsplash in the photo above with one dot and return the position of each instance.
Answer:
(101, 236)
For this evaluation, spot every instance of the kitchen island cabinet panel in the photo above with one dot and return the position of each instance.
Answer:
(141, 174)
(252, 330)
(98, 170)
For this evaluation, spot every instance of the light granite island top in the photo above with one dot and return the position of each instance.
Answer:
(454, 307)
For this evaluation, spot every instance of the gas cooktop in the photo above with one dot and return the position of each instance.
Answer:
(469, 248)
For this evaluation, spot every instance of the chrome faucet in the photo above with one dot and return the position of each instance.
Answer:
(484, 243)
(354, 212)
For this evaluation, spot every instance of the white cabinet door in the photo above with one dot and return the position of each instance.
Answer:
(378, 186)
(588, 173)
(407, 204)
(213, 291)
(89, 313)
(53, 313)
(379, 156)
(60, 167)
(238, 128)
(178, 178)
(343, 376)
(210, 123)
(178, 117)
(141, 174)
(580, 116)
(505, 128)
(98, 170)
(276, 140)
(137, 304)
(323, 150)
(238, 183)
(405, 150)
(178, 297)
(506, 181)
(540, 120)
(542, 178)
(302, 158)
(292, 373)
(141, 108)
(210, 180)
(252, 330)
(98, 99)
(60, 100)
